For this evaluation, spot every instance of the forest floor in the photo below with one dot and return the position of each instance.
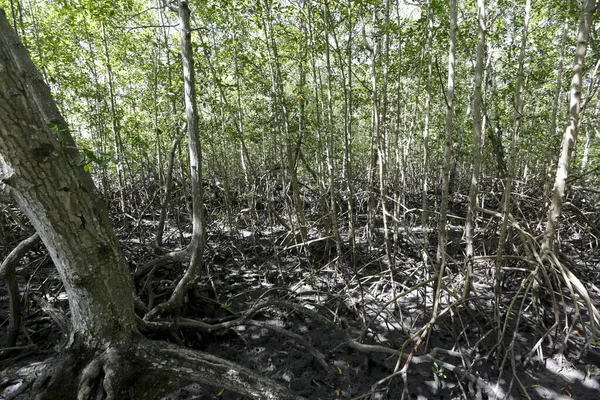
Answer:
(332, 330)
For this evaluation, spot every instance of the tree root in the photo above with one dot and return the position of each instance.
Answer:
(182, 256)
(140, 369)
(8, 272)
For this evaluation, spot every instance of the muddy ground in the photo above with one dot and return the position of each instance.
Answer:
(321, 311)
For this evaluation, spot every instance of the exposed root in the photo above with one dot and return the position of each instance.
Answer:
(140, 369)
(181, 256)
(8, 273)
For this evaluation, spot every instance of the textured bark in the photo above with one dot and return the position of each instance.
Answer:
(45, 184)
(106, 356)
(572, 128)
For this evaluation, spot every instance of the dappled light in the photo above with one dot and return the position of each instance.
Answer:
(296, 199)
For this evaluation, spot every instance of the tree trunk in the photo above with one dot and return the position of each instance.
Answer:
(117, 146)
(106, 356)
(164, 204)
(552, 131)
(442, 239)
(476, 152)
(425, 136)
(196, 247)
(518, 114)
(381, 133)
(571, 130)
(330, 142)
(58, 198)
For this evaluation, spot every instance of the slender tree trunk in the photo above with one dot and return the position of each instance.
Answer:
(330, 140)
(494, 132)
(167, 194)
(425, 137)
(588, 139)
(476, 152)
(347, 166)
(381, 133)
(158, 142)
(100, 120)
(375, 162)
(238, 118)
(442, 238)
(319, 115)
(373, 47)
(295, 149)
(348, 139)
(196, 247)
(117, 146)
(571, 130)
(552, 130)
(517, 118)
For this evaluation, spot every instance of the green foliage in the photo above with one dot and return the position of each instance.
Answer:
(227, 306)
(438, 371)
(75, 42)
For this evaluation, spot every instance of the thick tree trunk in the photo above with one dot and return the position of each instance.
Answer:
(106, 352)
(45, 184)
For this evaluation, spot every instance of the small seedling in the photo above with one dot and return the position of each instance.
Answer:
(438, 371)
(226, 306)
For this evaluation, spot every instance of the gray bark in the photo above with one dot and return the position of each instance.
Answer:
(572, 128)
(518, 114)
(36, 165)
(442, 238)
(196, 246)
(477, 134)
(106, 350)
